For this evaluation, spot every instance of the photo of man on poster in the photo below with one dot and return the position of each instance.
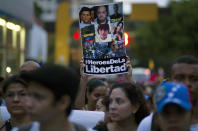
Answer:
(103, 33)
(102, 15)
(85, 17)
(118, 33)
(116, 16)
(103, 48)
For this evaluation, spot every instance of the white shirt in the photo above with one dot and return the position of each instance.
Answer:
(34, 127)
(4, 114)
(86, 118)
(145, 124)
(82, 25)
(98, 38)
(194, 127)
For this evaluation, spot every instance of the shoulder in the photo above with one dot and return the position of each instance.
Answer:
(78, 127)
(120, 15)
(145, 124)
(194, 127)
(5, 125)
(2, 125)
(34, 126)
(101, 128)
(4, 114)
(112, 16)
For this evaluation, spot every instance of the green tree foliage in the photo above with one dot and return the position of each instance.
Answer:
(37, 10)
(173, 35)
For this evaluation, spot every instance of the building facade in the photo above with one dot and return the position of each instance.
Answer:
(16, 18)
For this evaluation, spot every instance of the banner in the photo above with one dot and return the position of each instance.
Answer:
(89, 119)
(102, 35)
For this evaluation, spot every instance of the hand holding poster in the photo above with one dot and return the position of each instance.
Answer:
(89, 119)
(102, 34)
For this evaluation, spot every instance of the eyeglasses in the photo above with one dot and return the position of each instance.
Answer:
(20, 95)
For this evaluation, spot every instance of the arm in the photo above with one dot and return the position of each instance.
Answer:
(128, 75)
(3, 126)
(80, 99)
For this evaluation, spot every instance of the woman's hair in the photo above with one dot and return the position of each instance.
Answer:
(115, 31)
(105, 102)
(84, 9)
(136, 96)
(111, 43)
(103, 27)
(94, 83)
(12, 79)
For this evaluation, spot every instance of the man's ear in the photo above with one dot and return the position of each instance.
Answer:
(64, 102)
(135, 108)
(87, 94)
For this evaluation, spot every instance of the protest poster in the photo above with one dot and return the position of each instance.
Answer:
(102, 38)
(80, 117)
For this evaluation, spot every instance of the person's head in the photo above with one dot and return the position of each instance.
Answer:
(120, 26)
(28, 66)
(115, 7)
(126, 102)
(118, 30)
(96, 89)
(185, 70)
(102, 12)
(51, 87)
(113, 46)
(1, 82)
(102, 104)
(104, 79)
(103, 30)
(15, 93)
(92, 14)
(173, 106)
(99, 105)
(85, 15)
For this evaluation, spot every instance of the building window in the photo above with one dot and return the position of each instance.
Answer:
(9, 38)
(1, 35)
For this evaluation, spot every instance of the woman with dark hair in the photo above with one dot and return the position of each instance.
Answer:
(92, 87)
(93, 14)
(126, 107)
(16, 96)
(112, 49)
(96, 89)
(118, 31)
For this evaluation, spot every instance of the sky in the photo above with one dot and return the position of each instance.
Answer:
(160, 3)
(127, 4)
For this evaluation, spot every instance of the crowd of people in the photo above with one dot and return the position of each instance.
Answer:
(42, 98)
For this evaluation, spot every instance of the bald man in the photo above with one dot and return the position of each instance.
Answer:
(29, 66)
